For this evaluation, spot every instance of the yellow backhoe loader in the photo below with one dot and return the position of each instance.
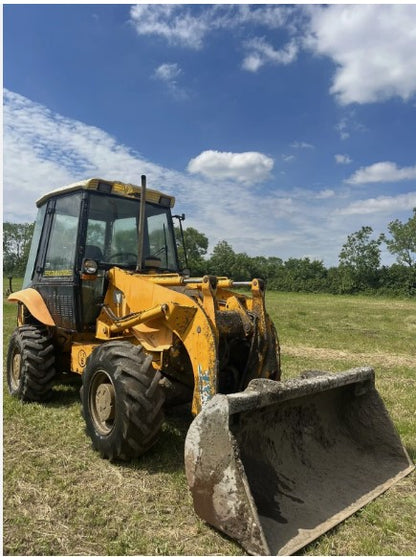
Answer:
(272, 464)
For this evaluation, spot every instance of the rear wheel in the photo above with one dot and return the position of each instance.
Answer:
(31, 364)
(122, 402)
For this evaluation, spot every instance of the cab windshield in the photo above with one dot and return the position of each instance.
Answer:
(112, 234)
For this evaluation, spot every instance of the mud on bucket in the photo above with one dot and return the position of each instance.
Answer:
(279, 464)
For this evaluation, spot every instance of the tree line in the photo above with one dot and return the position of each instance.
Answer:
(359, 268)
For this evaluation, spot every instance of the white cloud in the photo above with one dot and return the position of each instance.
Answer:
(348, 125)
(325, 194)
(249, 167)
(261, 52)
(288, 158)
(373, 47)
(43, 150)
(342, 129)
(383, 204)
(168, 74)
(301, 145)
(343, 159)
(173, 23)
(188, 27)
(382, 172)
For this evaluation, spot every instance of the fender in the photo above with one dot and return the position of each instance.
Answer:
(34, 302)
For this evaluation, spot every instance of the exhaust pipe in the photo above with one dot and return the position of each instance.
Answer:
(142, 216)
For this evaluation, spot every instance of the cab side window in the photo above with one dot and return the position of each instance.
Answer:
(61, 250)
(124, 240)
(34, 247)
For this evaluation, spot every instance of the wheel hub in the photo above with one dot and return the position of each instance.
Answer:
(104, 402)
(16, 370)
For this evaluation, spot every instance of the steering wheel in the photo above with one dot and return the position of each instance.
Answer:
(160, 251)
(123, 254)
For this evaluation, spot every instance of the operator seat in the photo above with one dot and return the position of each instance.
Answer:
(93, 252)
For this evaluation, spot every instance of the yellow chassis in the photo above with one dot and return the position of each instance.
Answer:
(152, 310)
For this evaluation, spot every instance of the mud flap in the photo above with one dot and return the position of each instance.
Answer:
(279, 464)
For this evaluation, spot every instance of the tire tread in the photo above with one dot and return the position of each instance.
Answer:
(38, 363)
(139, 411)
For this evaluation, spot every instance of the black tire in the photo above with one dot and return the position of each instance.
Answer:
(31, 364)
(122, 402)
(273, 354)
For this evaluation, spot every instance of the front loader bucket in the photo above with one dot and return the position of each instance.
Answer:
(279, 464)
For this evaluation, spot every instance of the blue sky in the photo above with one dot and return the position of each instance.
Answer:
(281, 129)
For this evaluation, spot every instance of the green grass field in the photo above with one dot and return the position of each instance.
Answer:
(60, 498)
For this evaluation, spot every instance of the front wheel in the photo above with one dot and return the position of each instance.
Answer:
(122, 402)
(31, 364)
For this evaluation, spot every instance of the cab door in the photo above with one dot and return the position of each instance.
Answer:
(55, 275)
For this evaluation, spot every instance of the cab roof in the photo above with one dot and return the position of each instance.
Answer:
(113, 187)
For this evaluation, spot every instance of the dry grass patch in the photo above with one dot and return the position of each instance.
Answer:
(60, 498)
(384, 359)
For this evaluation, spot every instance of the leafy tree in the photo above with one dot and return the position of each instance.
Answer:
(273, 265)
(334, 280)
(300, 275)
(222, 259)
(265, 267)
(306, 275)
(196, 244)
(403, 240)
(16, 246)
(242, 268)
(360, 260)
(225, 262)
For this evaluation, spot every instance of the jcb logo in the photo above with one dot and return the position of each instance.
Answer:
(82, 358)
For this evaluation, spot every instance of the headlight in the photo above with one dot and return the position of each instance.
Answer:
(90, 266)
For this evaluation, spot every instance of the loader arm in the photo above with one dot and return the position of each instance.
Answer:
(147, 307)
(156, 308)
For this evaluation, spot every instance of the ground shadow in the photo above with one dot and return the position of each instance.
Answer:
(167, 455)
(65, 395)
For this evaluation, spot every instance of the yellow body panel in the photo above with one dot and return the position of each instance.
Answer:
(155, 309)
(171, 312)
(31, 298)
(79, 355)
(117, 188)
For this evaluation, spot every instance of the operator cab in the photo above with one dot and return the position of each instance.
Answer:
(112, 234)
(86, 228)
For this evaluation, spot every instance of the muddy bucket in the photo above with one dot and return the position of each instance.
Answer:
(279, 464)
